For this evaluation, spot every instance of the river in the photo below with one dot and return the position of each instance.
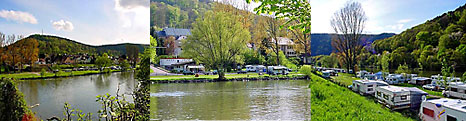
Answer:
(252, 100)
(80, 92)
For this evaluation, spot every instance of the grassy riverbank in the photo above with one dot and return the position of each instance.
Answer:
(228, 76)
(333, 102)
(36, 75)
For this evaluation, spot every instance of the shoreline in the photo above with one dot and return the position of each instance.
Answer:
(200, 80)
(53, 77)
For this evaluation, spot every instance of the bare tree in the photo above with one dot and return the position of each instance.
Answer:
(348, 24)
(273, 33)
(303, 42)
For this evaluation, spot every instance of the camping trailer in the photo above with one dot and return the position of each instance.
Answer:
(369, 76)
(456, 90)
(360, 74)
(255, 68)
(394, 79)
(420, 80)
(393, 97)
(443, 109)
(275, 70)
(366, 87)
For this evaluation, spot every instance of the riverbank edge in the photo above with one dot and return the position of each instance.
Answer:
(52, 77)
(200, 80)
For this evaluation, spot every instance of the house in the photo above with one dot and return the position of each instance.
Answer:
(366, 87)
(178, 34)
(443, 109)
(286, 45)
(168, 62)
(456, 90)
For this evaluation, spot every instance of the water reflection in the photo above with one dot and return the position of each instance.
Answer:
(80, 92)
(265, 100)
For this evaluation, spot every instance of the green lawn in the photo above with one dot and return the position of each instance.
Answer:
(345, 79)
(26, 75)
(228, 76)
(333, 102)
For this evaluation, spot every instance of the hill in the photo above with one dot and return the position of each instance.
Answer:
(427, 45)
(176, 14)
(59, 45)
(321, 42)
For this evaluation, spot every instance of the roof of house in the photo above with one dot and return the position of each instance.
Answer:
(174, 32)
(283, 41)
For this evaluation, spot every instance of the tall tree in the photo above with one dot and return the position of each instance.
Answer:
(132, 52)
(302, 42)
(348, 24)
(217, 40)
(152, 49)
(273, 32)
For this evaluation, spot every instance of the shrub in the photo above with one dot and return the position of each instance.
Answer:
(12, 105)
(42, 72)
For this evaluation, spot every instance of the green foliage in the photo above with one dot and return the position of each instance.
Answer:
(103, 61)
(179, 13)
(12, 104)
(385, 62)
(217, 40)
(328, 61)
(253, 57)
(292, 10)
(306, 70)
(43, 72)
(70, 112)
(403, 69)
(124, 65)
(152, 49)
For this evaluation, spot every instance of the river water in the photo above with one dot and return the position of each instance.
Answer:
(253, 100)
(80, 92)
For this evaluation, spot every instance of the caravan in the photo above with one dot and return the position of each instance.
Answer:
(455, 89)
(393, 97)
(360, 74)
(443, 109)
(275, 70)
(394, 79)
(366, 87)
(255, 68)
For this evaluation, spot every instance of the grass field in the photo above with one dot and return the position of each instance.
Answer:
(27, 75)
(228, 76)
(333, 102)
(345, 79)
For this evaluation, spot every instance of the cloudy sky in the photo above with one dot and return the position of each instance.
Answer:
(94, 22)
(383, 15)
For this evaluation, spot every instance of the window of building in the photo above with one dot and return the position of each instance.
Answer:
(428, 112)
(451, 118)
(404, 97)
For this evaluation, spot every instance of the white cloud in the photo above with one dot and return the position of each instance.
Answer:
(18, 16)
(405, 20)
(129, 4)
(63, 25)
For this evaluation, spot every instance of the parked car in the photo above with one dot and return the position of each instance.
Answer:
(433, 87)
(242, 72)
(186, 72)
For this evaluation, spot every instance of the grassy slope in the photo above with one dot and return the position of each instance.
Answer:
(332, 102)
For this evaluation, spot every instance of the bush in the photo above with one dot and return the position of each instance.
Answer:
(12, 105)
(306, 70)
(42, 72)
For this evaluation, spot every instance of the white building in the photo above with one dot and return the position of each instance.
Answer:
(286, 45)
(168, 62)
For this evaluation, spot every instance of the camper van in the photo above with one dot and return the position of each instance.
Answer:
(394, 79)
(369, 76)
(255, 68)
(393, 97)
(420, 80)
(366, 87)
(443, 109)
(325, 74)
(456, 90)
(275, 70)
(360, 74)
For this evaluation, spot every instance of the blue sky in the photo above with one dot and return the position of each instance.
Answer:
(94, 22)
(383, 15)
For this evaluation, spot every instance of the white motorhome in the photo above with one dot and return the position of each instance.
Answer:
(370, 77)
(360, 74)
(393, 97)
(438, 80)
(255, 68)
(456, 90)
(325, 74)
(366, 87)
(394, 79)
(443, 109)
(275, 70)
(420, 80)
